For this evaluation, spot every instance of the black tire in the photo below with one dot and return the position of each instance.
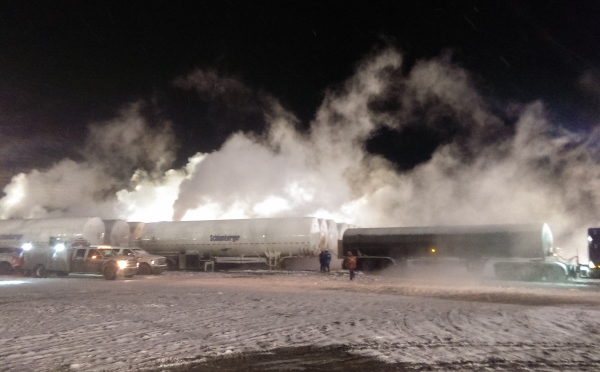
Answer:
(40, 271)
(110, 272)
(62, 273)
(5, 268)
(144, 269)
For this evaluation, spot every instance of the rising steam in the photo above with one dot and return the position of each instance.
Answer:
(498, 165)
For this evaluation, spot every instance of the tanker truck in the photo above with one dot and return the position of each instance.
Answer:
(523, 252)
(204, 244)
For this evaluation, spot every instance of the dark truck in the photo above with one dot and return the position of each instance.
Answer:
(594, 252)
(42, 261)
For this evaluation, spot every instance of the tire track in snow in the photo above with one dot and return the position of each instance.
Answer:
(138, 323)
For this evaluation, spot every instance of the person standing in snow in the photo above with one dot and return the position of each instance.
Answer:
(350, 264)
(325, 260)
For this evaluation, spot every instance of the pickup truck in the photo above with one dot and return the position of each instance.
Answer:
(80, 259)
(11, 260)
(149, 264)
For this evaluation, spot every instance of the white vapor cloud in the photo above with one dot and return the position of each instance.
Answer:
(111, 154)
(497, 165)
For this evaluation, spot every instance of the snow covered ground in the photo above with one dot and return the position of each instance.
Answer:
(182, 319)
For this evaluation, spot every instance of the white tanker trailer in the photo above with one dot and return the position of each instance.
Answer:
(200, 244)
(118, 233)
(40, 232)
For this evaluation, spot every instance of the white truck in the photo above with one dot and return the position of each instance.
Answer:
(11, 260)
(148, 264)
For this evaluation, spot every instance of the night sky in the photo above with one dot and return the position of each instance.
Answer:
(100, 97)
(64, 64)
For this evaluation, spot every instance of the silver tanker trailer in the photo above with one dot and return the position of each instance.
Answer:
(37, 237)
(202, 244)
(117, 233)
(40, 232)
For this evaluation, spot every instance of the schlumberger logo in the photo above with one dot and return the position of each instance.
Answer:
(224, 238)
(11, 236)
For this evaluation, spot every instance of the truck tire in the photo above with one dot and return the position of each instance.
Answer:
(110, 272)
(144, 269)
(40, 271)
(5, 268)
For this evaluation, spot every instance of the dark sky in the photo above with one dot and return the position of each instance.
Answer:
(64, 64)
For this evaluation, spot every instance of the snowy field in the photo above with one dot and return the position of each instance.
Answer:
(260, 320)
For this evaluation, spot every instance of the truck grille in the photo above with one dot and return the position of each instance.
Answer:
(132, 263)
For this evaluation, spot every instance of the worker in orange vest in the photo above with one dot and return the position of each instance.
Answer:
(351, 264)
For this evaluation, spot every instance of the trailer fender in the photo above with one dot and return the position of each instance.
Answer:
(556, 272)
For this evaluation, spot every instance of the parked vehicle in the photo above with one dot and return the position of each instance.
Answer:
(262, 241)
(42, 261)
(594, 252)
(148, 264)
(519, 252)
(37, 232)
(11, 260)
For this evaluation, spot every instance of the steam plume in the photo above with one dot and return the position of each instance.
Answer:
(498, 163)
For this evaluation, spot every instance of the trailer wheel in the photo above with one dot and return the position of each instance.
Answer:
(144, 269)
(5, 268)
(40, 271)
(110, 272)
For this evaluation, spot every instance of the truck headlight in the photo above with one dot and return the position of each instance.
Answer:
(122, 264)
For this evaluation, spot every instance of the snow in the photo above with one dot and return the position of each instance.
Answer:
(85, 323)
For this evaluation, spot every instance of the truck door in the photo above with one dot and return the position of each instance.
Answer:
(93, 263)
(78, 262)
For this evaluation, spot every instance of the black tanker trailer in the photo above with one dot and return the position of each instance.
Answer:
(519, 251)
